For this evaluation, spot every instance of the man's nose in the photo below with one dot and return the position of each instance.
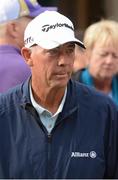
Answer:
(63, 60)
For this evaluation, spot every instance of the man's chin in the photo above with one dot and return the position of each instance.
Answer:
(60, 84)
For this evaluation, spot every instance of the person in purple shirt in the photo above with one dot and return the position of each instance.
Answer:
(14, 17)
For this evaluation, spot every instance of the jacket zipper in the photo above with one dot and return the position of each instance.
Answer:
(49, 156)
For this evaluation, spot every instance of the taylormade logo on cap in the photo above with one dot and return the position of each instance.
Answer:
(50, 30)
(47, 27)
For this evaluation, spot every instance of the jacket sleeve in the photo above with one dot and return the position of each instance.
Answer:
(112, 143)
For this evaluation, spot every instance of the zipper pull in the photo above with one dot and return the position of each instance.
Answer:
(49, 137)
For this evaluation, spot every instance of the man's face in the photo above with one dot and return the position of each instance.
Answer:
(103, 62)
(52, 68)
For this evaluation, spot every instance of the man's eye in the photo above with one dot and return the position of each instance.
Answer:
(53, 52)
(70, 50)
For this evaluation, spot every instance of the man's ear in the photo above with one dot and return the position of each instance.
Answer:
(26, 53)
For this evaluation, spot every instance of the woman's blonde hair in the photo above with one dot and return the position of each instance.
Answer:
(102, 32)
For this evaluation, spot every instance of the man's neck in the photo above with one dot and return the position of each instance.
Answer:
(50, 99)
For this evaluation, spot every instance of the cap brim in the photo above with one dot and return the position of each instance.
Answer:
(49, 44)
(79, 43)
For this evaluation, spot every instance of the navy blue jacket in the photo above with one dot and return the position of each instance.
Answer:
(83, 143)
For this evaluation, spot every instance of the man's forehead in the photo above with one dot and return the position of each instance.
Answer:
(66, 45)
(61, 47)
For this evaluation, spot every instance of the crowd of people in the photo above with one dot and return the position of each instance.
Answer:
(53, 124)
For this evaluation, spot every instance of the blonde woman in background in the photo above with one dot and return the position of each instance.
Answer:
(101, 41)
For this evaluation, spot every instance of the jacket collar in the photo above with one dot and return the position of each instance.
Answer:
(70, 95)
(25, 92)
(71, 102)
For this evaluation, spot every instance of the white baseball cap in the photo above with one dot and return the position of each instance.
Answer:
(49, 30)
(13, 9)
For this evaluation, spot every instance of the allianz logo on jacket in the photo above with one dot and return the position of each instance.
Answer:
(91, 154)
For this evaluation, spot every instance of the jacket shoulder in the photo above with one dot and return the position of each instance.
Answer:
(10, 98)
(91, 97)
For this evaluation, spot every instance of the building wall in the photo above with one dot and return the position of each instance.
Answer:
(111, 8)
(85, 12)
(82, 12)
